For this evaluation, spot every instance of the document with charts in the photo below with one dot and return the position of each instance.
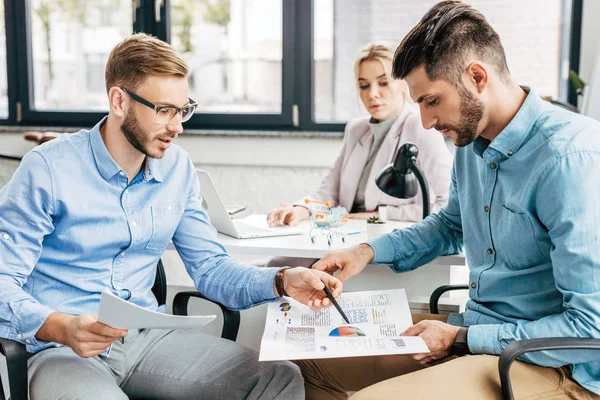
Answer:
(377, 318)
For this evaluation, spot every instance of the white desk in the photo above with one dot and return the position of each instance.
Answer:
(301, 246)
(419, 284)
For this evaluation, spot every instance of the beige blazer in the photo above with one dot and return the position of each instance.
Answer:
(435, 161)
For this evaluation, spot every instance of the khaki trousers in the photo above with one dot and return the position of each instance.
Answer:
(465, 378)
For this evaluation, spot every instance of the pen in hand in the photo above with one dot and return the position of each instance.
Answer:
(335, 303)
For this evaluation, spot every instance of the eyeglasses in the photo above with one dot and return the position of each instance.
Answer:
(164, 114)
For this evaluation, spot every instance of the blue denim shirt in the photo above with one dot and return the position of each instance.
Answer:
(526, 206)
(71, 226)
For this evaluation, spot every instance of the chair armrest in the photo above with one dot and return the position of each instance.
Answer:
(10, 157)
(437, 293)
(231, 319)
(16, 363)
(520, 347)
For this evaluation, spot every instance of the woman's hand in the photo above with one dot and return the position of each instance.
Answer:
(287, 214)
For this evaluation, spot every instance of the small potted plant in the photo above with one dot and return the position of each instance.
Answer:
(375, 227)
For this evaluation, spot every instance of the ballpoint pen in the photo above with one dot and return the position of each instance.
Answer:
(335, 303)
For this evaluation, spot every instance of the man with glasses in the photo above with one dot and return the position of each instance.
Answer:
(94, 211)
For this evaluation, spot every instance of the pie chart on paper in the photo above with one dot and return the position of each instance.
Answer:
(346, 331)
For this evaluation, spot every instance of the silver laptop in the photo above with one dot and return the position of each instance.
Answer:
(221, 220)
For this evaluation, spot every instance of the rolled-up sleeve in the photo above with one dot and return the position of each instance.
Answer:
(438, 234)
(215, 274)
(26, 208)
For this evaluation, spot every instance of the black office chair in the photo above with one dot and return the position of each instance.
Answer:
(17, 356)
(519, 347)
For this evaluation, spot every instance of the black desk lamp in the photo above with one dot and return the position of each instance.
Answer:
(398, 180)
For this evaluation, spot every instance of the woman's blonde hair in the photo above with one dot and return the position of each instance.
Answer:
(139, 56)
(384, 53)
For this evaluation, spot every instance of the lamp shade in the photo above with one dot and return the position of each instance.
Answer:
(397, 179)
(396, 184)
(402, 178)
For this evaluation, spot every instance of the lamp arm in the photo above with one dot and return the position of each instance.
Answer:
(423, 183)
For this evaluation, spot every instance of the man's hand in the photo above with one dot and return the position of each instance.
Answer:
(287, 214)
(84, 334)
(438, 337)
(306, 286)
(351, 262)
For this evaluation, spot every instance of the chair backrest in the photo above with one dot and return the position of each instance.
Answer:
(160, 284)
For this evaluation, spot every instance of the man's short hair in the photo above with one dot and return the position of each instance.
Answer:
(447, 35)
(138, 56)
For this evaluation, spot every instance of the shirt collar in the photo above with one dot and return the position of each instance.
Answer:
(152, 169)
(108, 167)
(516, 133)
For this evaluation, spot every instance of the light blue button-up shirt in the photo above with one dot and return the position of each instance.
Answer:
(527, 207)
(71, 227)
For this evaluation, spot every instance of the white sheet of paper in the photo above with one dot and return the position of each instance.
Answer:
(122, 314)
(377, 317)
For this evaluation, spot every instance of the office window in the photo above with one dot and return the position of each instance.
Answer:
(234, 51)
(3, 80)
(70, 43)
(254, 64)
(531, 38)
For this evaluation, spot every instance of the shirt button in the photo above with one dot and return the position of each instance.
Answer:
(509, 153)
(134, 224)
(5, 236)
(27, 341)
(169, 208)
(473, 285)
(19, 336)
(123, 254)
(122, 173)
(493, 165)
(486, 208)
(490, 251)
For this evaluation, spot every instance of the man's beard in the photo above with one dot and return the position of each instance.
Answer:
(137, 137)
(471, 112)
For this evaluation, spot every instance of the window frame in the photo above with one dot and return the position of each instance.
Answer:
(242, 121)
(297, 102)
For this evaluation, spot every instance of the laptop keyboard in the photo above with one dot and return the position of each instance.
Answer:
(247, 229)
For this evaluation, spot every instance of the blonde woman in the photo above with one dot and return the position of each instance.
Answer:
(370, 143)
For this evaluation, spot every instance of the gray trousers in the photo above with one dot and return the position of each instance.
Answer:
(163, 364)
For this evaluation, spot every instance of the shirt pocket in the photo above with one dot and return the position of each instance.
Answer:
(165, 219)
(515, 240)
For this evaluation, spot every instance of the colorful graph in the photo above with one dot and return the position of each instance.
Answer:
(346, 331)
(284, 307)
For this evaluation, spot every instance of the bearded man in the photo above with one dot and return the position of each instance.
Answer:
(523, 202)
